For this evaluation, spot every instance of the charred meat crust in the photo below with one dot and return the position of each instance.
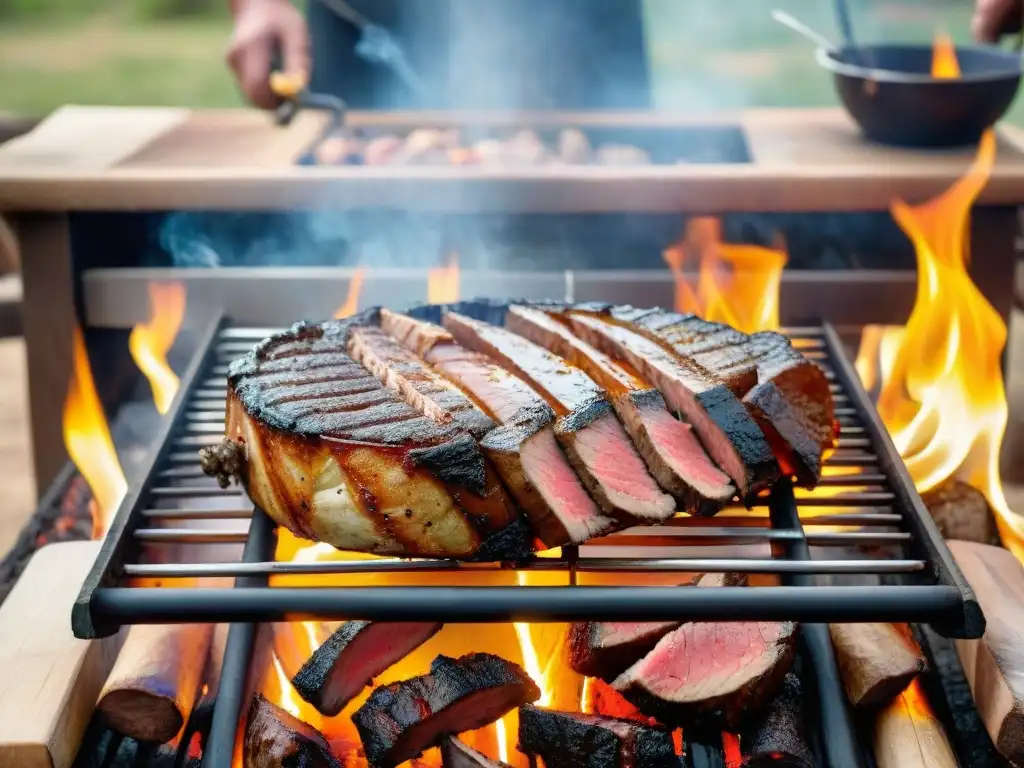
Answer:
(400, 720)
(331, 677)
(571, 740)
(591, 653)
(275, 739)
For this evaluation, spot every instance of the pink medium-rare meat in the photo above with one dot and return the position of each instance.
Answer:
(726, 429)
(331, 454)
(597, 445)
(523, 449)
(671, 451)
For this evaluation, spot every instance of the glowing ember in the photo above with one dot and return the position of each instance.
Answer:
(443, 282)
(736, 284)
(88, 442)
(150, 342)
(942, 395)
(944, 62)
(355, 288)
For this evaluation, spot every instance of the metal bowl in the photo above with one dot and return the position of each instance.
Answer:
(891, 94)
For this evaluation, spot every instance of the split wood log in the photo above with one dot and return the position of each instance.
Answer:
(876, 661)
(275, 739)
(50, 678)
(994, 664)
(961, 511)
(153, 685)
(908, 735)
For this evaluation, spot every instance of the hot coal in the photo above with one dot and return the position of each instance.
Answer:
(402, 719)
(275, 739)
(455, 754)
(352, 656)
(571, 740)
(778, 737)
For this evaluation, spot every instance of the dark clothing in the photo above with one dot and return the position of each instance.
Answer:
(489, 54)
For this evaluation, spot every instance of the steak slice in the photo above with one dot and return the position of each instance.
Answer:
(597, 445)
(334, 456)
(352, 656)
(455, 754)
(523, 450)
(725, 427)
(710, 674)
(401, 720)
(793, 404)
(572, 740)
(275, 739)
(672, 453)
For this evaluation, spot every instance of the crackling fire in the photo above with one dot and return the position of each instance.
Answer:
(736, 284)
(355, 290)
(443, 281)
(944, 62)
(150, 342)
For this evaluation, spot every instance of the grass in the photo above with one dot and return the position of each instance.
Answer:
(702, 58)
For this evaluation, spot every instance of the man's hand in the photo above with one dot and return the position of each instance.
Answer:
(995, 18)
(263, 27)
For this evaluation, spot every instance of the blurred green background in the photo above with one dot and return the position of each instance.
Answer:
(706, 54)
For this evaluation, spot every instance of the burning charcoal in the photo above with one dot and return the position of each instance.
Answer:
(570, 739)
(573, 146)
(381, 151)
(455, 754)
(275, 739)
(961, 512)
(877, 661)
(401, 720)
(778, 739)
(621, 155)
(352, 656)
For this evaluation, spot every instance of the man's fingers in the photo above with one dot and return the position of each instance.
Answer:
(994, 18)
(295, 48)
(252, 67)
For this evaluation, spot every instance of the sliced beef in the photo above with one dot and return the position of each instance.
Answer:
(710, 674)
(352, 656)
(793, 404)
(574, 740)
(275, 739)
(401, 720)
(725, 427)
(671, 451)
(598, 447)
(455, 754)
(331, 454)
(523, 449)
(778, 736)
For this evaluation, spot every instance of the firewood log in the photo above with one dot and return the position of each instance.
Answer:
(152, 687)
(777, 736)
(961, 512)
(876, 661)
(908, 735)
(994, 664)
(274, 739)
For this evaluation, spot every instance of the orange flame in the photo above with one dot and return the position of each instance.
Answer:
(944, 62)
(443, 282)
(736, 284)
(355, 288)
(88, 442)
(150, 342)
(942, 395)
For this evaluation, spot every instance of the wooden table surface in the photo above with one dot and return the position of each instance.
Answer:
(88, 158)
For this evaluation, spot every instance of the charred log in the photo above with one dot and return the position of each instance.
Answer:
(778, 738)
(275, 739)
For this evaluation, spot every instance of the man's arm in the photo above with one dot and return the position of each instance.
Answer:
(995, 18)
(263, 28)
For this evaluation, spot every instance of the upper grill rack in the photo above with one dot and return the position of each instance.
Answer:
(174, 517)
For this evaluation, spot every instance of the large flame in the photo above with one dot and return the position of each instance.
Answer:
(88, 442)
(355, 289)
(736, 284)
(443, 282)
(942, 395)
(944, 62)
(150, 342)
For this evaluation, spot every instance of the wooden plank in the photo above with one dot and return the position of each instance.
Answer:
(51, 679)
(994, 665)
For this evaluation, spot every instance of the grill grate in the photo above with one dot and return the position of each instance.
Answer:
(829, 549)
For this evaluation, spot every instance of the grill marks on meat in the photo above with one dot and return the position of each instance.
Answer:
(523, 450)
(400, 720)
(725, 427)
(351, 464)
(671, 451)
(275, 739)
(597, 446)
(352, 656)
(572, 740)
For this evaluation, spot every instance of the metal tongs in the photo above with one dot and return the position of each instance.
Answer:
(294, 94)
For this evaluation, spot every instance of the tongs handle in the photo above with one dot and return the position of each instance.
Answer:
(292, 90)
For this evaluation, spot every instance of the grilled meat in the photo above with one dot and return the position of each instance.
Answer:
(455, 754)
(401, 720)
(352, 656)
(333, 455)
(572, 740)
(668, 446)
(725, 427)
(597, 446)
(523, 450)
(778, 738)
(275, 739)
